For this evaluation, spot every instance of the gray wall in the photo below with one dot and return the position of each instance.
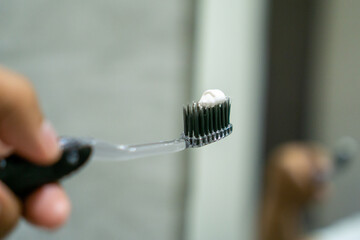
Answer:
(230, 55)
(335, 97)
(114, 70)
(119, 71)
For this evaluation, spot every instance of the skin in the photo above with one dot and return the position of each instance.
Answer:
(24, 130)
(292, 183)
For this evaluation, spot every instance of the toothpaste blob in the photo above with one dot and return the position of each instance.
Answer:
(212, 97)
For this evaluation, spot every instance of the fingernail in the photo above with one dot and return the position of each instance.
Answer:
(49, 141)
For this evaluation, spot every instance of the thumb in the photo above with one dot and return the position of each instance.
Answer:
(21, 122)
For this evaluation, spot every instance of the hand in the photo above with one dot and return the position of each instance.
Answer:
(23, 130)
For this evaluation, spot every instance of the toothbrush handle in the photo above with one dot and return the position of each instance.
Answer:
(22, 176)
(108, 151)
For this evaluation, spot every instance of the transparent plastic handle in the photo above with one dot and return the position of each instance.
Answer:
(109, 151)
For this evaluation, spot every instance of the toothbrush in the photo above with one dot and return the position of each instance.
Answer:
(203, 124)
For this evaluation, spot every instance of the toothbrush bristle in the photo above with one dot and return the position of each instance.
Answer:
(204, 125)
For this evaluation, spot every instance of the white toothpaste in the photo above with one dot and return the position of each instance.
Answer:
(212, 97)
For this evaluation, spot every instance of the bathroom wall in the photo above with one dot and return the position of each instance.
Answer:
(115, 70)
(230, 43)
(121, 71)
(335, 98)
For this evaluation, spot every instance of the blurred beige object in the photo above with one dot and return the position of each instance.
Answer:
(297, 174)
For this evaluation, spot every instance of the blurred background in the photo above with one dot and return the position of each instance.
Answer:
(121, 70)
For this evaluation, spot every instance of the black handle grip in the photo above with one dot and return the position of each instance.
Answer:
(22, 177)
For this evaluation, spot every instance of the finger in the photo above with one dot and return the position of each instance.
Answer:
(21, 122)
(5, 149)
(9, 210)
(47, 207)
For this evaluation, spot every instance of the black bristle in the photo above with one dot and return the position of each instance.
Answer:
(196, 121)
(220, 116)
(185, 116)
(204, 125)
(227, 112)
(207, 121)
(202, 121)
(216, 118)
(190, 121)
(223, 111)
(211, 120)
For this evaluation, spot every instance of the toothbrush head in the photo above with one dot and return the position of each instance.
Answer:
(206, 124)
